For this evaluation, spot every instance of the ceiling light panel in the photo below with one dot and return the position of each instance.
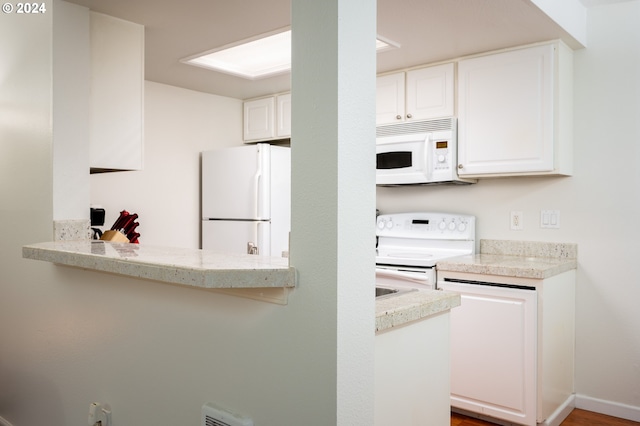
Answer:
(258, 58)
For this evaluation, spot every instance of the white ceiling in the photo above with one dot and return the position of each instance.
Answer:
(427, 30)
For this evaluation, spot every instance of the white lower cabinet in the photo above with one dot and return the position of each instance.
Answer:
(515, 112)
(512, 345)
(412, 373)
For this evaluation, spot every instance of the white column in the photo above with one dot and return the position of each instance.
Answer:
(71, 72)
(333, 195)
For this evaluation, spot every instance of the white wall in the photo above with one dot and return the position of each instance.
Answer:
(71, 87)
(155, 352)
(179, 124)
(599, 206)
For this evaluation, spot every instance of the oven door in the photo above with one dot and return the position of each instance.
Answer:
(405, 277)
(403, 159)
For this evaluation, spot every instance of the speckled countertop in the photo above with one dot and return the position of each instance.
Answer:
(524, 259)
(191, 267)
(395, 310)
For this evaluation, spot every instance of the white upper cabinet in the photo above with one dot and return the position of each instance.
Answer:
(259, 119)
(267, 118)
(515, 112)
(419, 94)
(117, 94)
(390, 98)
(283, 116)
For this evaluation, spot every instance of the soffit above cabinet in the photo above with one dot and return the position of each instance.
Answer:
(428, 31)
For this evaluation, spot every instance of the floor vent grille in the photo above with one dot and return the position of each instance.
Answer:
(213, 415)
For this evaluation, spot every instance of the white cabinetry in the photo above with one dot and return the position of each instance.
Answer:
(117, 94)
(512, 344)
(412, 373)
(515, 112)
(419, 94)
(267, 118)
(283, 116)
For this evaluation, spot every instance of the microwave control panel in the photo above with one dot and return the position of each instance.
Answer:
(441, 154)
(442, 151)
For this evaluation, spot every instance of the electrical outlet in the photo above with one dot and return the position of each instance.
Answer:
(516, 222)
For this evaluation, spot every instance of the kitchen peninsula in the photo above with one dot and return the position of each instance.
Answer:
(240, 274)
(266, 278)
(413, 357)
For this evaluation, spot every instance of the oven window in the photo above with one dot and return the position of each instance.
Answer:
(393, 160)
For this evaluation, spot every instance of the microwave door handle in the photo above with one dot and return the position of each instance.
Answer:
(420, 278)
(429, 157)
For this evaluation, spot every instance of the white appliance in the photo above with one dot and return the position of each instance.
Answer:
(410, 245)
(418, 153)
(246, 199)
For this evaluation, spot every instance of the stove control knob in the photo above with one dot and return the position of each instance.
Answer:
(452, 226)
(381, 224)
(389, 224)
(442, 225)
(462, 227)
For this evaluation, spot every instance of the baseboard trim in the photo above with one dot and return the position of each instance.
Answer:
(610, 408)
(583, 402)
(561, 413)
(489, 419)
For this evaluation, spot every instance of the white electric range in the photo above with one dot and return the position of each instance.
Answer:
(410, 244)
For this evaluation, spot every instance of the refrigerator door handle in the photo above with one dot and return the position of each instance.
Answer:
(253, 247)
(258, 192)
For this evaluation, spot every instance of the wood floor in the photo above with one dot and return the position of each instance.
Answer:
(576, 418)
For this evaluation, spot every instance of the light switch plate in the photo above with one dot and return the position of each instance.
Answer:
(550, 219)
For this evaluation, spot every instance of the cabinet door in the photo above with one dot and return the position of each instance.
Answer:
(493, 352)
(116, 102)
(390, 98)
(505, 112)
(430, 92)
(283, 116)
(259, 119)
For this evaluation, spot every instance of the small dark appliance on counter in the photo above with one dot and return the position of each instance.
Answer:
(97, 219)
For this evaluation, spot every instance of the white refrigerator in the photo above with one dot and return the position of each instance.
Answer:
(246, 199)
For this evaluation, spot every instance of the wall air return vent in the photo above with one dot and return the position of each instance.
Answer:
(213, 415)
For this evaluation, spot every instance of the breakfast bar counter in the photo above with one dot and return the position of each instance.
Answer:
(234, 273)
(190, 267)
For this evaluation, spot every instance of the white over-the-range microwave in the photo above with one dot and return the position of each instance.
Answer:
(418, 153)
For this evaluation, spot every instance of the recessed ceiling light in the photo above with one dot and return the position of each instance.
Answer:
(259, 57)
(383, 44)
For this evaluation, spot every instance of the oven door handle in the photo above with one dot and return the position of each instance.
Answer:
(411, 276)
